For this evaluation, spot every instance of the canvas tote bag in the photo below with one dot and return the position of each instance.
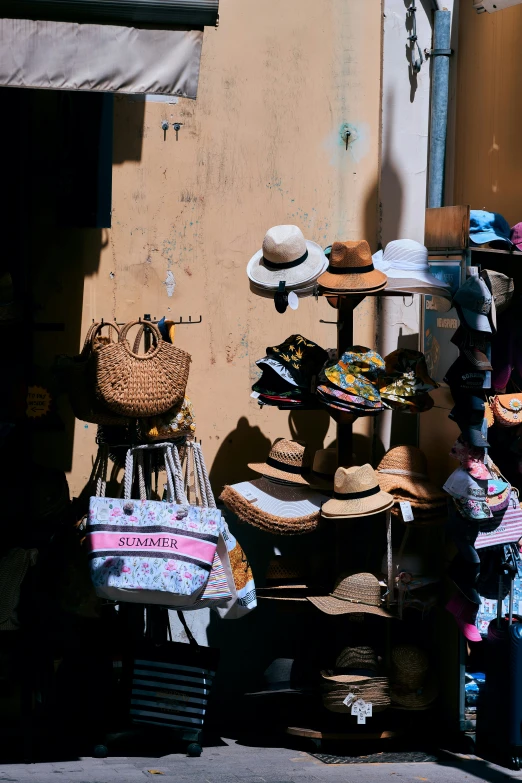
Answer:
(149, 551)
(238, 572)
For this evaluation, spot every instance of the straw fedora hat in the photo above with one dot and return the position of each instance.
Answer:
(286, 255)
(355, 593)
(288, 461)
(351, 269)
(403, 472)
(283, 509)
(413, 684)
(356, 494)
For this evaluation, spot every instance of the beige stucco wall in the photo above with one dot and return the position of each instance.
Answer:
(259, 147)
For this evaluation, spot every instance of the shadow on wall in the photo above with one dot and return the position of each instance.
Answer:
(129, 120)
(391, 191)
(243, 445)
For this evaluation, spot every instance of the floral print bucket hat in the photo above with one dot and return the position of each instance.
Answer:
(406, 382)
(356, 373)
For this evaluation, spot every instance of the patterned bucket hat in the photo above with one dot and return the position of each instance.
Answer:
(300, 359)
(406, 382)
(355, 372)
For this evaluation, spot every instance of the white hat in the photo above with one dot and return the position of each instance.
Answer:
(405, 263)
(286, 255)
(280, 500)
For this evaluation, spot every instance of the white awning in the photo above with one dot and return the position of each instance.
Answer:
(102, 50)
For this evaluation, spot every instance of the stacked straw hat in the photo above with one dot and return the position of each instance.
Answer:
(361, 657)
(413, 684)
(356, 494)
(286, 256)
(403, 472)
(282, 509)
(354, 593)
(356, 674)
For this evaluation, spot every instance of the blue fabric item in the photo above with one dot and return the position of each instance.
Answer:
(163, 329)
(488, 227)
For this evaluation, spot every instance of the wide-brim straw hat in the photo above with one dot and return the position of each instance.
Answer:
(289, 461)
(413, 685)
(351, 269)
(403, 472)
(356, 494)
(275, 508)
(353, 594)
(336, 688)
(286, 255)
(405, 263)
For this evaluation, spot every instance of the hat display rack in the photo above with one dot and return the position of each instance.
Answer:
(336, 726)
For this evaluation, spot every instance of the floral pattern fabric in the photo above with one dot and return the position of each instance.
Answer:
(355, 371)
(170, 573)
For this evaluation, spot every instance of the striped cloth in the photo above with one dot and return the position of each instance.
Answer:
(171, 685)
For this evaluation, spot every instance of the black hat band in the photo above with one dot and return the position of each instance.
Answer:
(275, 463)
(288, 265)
(366, 493)
(350, 270)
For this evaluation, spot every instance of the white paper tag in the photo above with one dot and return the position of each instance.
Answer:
(293, 300)
(255, 395)
(362, 710)
(249, 495)
(406, 511)
(472, 271)
(349, 699)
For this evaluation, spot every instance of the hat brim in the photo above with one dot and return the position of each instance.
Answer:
(420, 490)
(306, 272)
(364, 282)
(334, 606)
(477, 321)
(290, 478)
(480, 363)
(269, 522)
(483, 237)
(269, 293)
(357, 507)
(399, 277)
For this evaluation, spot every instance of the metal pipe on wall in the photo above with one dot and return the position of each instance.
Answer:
(439, 106)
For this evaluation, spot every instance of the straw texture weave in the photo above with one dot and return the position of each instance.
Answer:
(337, 687)
(141, 384)
(292, 453)
(267, 522)
(358, 593)
(76, 376)
(413, 687)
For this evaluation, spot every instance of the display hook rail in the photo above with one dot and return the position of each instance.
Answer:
(147, 318)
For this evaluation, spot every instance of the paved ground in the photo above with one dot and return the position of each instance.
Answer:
(235, 763)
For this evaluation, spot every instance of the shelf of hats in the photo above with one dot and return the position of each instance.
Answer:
(407, 549)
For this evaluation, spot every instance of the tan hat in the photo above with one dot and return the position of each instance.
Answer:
(403, 472)
(355, 593)
(351, 269)
(356, 494)
(413, 685)
(501, 286)
(362, 657)
(288, 461)
(286, 255)
(336, 687)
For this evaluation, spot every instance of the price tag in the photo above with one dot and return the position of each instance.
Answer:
(362, 710)
(249, 495)
(255, 395)
(293, 300)
(406, 511)
(472, 271)
(349, 699)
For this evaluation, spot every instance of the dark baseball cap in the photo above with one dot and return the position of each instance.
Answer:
(474, 347)
(463, 375)
(473, 301)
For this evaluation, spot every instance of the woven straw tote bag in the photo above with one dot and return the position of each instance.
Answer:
(77, 379)
(507, 409)
(138, 385)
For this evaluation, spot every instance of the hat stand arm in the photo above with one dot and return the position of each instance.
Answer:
(347, 305)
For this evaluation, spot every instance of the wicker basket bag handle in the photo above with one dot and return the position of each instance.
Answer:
(96, 329)
(156, 339)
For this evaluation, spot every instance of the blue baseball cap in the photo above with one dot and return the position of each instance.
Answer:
(488, 227)
(473, 301)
